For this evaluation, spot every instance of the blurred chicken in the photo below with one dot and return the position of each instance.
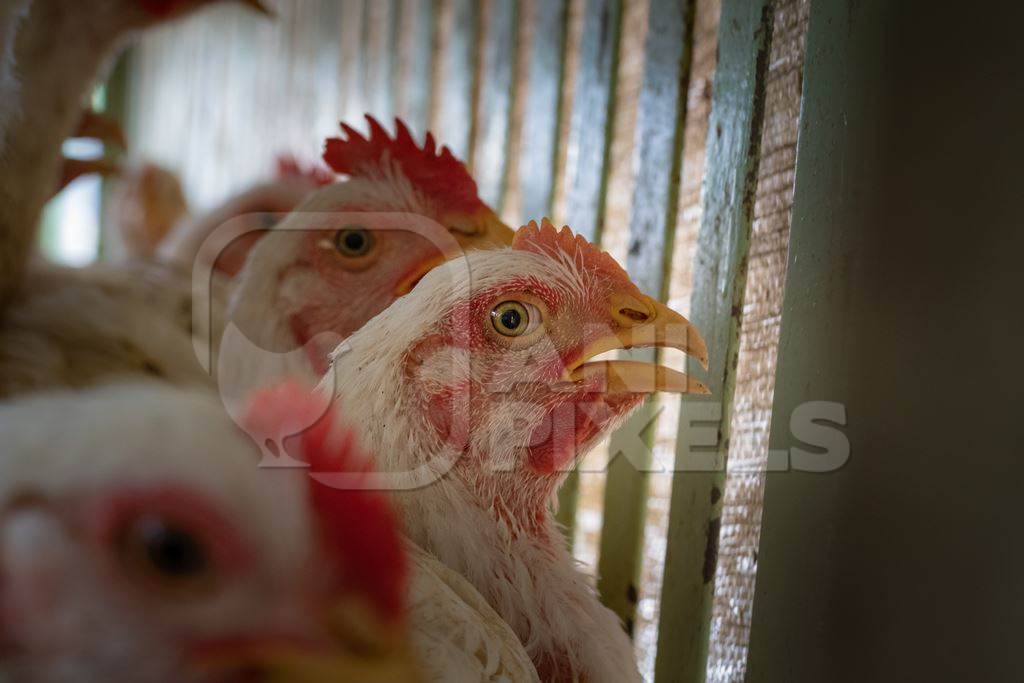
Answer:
(246, 217)
(52, 58)
(129, 544)
(149, 204)
(317, 278)
(478, 392)
(348, 252)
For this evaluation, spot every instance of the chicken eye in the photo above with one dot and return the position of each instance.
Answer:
(353, 242)
(163, 551)
(514, 318)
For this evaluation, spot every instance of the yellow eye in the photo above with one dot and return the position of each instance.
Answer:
(515, 318)
(353, 242)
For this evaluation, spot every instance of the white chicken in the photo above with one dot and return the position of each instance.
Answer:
(129, 544)
(478, 392)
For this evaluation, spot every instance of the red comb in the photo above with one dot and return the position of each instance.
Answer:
(437, 174)
(290, 167)
(546, 240)
(358, 527)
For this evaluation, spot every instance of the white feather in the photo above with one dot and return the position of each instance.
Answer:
(529, 579)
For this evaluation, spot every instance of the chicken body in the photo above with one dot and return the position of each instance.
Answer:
(478, 392)
(130, 544)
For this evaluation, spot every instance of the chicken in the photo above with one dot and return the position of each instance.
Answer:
(42, 90)
(347, 253)
(456, 635)
(478, 392)
(304, 287)
(148, 204)
(130, 544)
(248, 216)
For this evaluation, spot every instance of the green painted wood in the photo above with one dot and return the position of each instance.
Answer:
(587, 150)
(494, 104)
(458, 77)
(659, 139)
(416, 90)
(538, 152)
(115, 105)
(744, 41)
(568, 501)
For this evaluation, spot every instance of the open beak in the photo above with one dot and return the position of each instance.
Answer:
(640, 321)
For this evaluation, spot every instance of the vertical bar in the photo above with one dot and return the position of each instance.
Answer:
(539, 148)
(116, 107)
(751, 416)
(417, 50)
(587, 152)
(744, 39)
(379, 26)
(495, 102)
(458, 71)
(659, 139)
(590, 127)
(353, 81)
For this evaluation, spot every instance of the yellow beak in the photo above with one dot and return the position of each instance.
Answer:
(483, 231)
(642, 322)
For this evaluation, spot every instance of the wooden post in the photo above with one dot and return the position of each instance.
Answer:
(380, 28)
(744, 40)
(116, 106)
(539, 148)
(458, 73)
(416, 46)
(587, 152)
(659, 139)
(494, 106)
